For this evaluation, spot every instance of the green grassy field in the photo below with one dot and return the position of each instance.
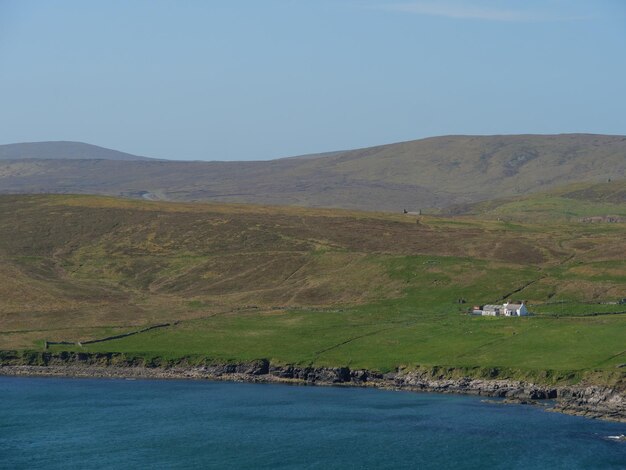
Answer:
(388, 335)
(304, 286)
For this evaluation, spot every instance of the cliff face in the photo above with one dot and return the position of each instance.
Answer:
(592, 401)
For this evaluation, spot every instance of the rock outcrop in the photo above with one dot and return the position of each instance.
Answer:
(590, 401)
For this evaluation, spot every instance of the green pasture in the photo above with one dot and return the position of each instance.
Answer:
(383, 338)
(427, 326)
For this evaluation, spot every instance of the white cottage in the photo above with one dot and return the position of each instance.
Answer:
(515, 310)
(506, 310)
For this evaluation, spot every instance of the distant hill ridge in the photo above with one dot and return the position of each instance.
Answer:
(58, 150)
(436, 172)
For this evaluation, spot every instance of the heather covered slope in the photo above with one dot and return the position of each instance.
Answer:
(310, 286)
(428, 173)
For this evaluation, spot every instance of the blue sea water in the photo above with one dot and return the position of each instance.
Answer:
(83, 423)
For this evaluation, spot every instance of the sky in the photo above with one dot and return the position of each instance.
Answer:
(252, 80)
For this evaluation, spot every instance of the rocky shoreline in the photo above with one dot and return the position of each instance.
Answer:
(591, 401)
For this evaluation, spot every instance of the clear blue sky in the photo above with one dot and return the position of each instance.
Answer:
(230, 80)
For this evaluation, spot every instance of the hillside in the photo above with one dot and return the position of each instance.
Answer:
(601, 202)
(60, 150)
(310, 286)
(428, 173)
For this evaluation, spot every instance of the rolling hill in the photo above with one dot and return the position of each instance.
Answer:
(430, 173)
(310, 286)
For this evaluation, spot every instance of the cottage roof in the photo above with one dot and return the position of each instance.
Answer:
(513, 306)
(492, 307)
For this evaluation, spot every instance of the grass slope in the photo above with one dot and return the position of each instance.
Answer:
(310, 286)
(428, 173)
(567, 203)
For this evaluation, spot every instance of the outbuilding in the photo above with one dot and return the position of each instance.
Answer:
(492, 310)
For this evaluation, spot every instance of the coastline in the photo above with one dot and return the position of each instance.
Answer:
(591, 401)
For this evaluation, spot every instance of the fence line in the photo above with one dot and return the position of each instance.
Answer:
(108, 338)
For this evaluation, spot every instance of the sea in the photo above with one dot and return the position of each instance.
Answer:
(69, 423)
